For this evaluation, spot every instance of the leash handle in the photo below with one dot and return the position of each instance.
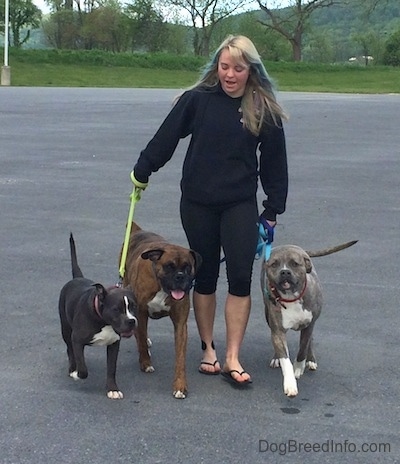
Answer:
(135, 197)
(266, 231)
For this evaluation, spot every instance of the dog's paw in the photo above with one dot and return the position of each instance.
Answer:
(289, 380)
(149, 343)
(149, 369)
(179, 394)
(312, 365)
(290, 388)
(274, 364)
(74, 375)
(298, 368)
(115, 395)
(79, 375)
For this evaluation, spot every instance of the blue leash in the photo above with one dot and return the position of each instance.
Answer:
(265, 239)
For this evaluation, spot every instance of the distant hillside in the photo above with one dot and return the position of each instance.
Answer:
(347, 19)
(337, 25)
(386, 16)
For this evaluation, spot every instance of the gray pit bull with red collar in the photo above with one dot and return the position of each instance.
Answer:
(293, 300)
(92, 315)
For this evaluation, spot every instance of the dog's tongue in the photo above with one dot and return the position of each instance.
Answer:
(177, 294)
(286, 285)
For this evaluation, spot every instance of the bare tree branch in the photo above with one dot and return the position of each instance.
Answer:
(204, 16)
(292, 20)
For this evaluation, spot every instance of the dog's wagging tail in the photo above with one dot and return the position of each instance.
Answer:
(330, 250)
(76, 270)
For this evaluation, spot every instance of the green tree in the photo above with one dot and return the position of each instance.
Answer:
(63, 29)
(89, 25)
(391, 55)
(148, 29)
(369, 40)
(319, 48)
(106, 27)
(370, 45)
(23, 14)
(178, 40)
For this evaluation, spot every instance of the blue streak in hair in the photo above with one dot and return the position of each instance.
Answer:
(263, 76)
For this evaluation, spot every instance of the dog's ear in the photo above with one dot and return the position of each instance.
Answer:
(308, 264)
(197, 259)
(100, 291)
(153, 255)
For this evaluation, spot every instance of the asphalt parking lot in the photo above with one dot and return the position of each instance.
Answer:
(65, 157)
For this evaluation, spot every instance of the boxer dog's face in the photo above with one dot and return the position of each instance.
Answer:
(175, 269)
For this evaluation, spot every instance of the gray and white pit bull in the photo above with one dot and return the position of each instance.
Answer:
(293, 300)
(92, 315)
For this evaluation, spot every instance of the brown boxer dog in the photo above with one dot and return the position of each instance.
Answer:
(161, 275)
(293, 300)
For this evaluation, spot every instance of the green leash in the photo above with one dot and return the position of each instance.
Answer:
(135, 197)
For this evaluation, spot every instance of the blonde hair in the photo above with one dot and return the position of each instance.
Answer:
(258, 102)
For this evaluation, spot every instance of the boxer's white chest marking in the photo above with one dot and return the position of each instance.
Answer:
(157, 304)
(295, 316)
(106, 336)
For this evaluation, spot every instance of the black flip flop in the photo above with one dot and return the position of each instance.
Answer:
(228, 376)
(209, 364)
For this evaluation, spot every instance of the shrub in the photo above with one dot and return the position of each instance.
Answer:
(104, 58)
(391, 55)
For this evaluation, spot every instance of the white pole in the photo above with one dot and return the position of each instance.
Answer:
(5, 70)
(6, 14)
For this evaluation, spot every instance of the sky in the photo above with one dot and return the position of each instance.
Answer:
(42, 5)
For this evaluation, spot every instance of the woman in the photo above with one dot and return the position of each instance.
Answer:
(231, 113)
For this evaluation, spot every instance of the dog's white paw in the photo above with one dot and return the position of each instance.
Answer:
(149, 369)
(74, 375)
(115, 395)
(289, 380)
(312, 365)
(298, 368)
(179, 395)
(274, 364)
(290, 387)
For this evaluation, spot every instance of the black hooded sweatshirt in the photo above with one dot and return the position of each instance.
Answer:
(221, 164)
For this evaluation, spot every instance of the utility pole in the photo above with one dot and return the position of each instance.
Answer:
(5, 69)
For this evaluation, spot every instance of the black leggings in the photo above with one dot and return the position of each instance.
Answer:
(230, 227)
